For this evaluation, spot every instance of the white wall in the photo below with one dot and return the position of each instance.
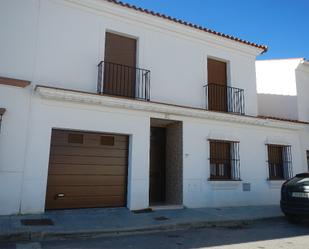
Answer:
(46, 115)
(282, 87)
(302, 81)
(18, 24)
(200, 192)
(276, 76)
(60, 44)
(276, 88)
(13, 140)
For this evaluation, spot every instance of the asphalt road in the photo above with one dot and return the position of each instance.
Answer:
(277, 233)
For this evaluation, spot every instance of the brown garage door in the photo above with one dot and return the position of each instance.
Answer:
(87, 170)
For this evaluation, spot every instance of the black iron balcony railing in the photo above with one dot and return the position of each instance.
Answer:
(223, 98)
(121, 80)
(2, 111)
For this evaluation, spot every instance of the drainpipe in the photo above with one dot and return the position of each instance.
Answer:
(2, 111)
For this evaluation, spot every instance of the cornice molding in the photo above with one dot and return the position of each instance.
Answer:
(14, 82)
(122, 103)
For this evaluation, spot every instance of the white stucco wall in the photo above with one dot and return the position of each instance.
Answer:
(200, 192)
(276, 88)
(46, 115)
(60, 44)
(13, 140)
(282, 87)
(302, 82)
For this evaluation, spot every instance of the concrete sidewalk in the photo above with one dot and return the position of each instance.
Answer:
(115, 221)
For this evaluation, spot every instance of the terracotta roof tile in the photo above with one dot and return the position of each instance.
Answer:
(150, 12)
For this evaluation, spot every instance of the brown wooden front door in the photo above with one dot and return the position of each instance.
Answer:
(217, 85)
(120, 64)
(157, 165)
(87, 170)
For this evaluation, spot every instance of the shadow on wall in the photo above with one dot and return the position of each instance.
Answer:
(280, 106)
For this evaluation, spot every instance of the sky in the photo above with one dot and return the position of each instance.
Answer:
(282, 25)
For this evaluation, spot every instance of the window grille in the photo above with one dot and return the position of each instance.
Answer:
(224, 160)
(279, 162)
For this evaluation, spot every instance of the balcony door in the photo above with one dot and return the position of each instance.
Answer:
(217, 85)
(119, 65)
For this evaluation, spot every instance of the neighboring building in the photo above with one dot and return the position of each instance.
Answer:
(283, 87)
(120, 106)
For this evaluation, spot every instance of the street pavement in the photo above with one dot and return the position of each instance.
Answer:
(272, 233)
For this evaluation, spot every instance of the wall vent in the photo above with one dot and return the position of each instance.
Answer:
(246, 187)
(75, 138)
(107, 140)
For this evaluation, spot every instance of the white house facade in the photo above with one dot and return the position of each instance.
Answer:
(104, 105)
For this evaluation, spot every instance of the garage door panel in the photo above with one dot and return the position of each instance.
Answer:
(80, 191)
(87, 169)
(82, 169)
(88, 160)
(116, 145)
(85, 180)
(87, 202)
(80, 151)
(91, 139)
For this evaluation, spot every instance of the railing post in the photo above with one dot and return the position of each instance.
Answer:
(123, 80)
(100, 84)
(224, 98)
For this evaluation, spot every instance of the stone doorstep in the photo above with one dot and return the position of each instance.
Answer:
(56, 235)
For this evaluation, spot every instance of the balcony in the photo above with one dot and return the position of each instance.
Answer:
(125, 81)
(223, 98)
(132, 82)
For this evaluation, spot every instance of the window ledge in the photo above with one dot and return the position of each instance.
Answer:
(217, 184)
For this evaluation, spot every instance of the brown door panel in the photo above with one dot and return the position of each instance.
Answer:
(157, 165)
(217, 85)
(120, 64)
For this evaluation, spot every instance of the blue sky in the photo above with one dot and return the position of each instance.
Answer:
(282, 25)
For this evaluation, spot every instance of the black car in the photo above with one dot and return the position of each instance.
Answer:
(295, 197)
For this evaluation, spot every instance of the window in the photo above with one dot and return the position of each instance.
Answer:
(224, 160)
(279, 162)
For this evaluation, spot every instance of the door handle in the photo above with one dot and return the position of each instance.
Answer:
(59, 196)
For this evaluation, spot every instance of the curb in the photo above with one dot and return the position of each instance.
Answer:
(42, 236)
